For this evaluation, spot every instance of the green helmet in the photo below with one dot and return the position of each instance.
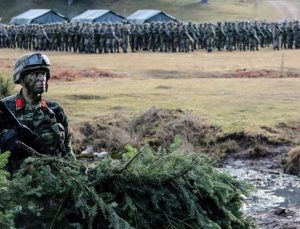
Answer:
(29, 62)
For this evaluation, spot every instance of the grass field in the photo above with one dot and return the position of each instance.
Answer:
(216, 10)
(233, 103)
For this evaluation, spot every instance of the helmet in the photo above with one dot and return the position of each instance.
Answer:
(28, 63)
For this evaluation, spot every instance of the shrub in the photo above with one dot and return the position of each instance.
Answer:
(6, 85)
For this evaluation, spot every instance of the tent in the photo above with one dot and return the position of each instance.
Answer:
(98, 16)
(38, 16)
(147, 16)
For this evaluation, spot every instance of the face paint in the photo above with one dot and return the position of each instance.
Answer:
(36, 82)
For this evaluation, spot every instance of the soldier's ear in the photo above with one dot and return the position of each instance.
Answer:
(21, 81)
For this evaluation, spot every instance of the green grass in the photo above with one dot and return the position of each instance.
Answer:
(234, 104)
(216, 10)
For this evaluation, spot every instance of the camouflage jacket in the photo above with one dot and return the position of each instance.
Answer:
(47, 121)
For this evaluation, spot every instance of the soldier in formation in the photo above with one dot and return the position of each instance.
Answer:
(171, 36)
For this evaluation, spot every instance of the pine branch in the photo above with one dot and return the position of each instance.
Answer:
(59, 210)
(129, 162)
(28, 149)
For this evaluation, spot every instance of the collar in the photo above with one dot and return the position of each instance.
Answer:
(20, 102)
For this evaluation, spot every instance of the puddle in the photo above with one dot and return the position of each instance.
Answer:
(274, 190)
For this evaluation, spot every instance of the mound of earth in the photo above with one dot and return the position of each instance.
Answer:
(291, 164)
(156, 127)
(159, 128)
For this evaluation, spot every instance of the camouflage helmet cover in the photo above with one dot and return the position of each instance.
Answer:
(30, 62)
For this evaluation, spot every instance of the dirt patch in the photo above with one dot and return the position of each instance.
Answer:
(159, 128)
(291, 164)
(238, 73)
(68, 74)
(156, 127)
(7, 64)
(85, 97)
(73, 74)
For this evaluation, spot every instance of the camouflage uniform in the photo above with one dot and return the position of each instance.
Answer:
(220, 34)
(209, 37)
(289, 36)
(46, 119)
(277, 35)
(253, 39)
(125, 37)
(296, 35)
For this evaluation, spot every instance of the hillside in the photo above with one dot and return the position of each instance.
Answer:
(182, 9)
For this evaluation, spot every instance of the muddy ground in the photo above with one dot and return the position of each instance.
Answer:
(258, 159)
(71, 74)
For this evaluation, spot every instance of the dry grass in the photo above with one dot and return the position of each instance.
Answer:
(234, 104)
(145, 65)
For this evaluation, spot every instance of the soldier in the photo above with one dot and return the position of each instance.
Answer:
(156, 37)
(253, 39)
(12, 33)
(191, 32)
(88, 34)
(109, 39)
(125, 33)
(277, 35)
(289, 35)
(21, 37)
(3, 37)
(56, 38)
(184, 39)
(71, 37)
(117, 37)
(164, 37)
(76, 37)
(242, 37)
(43, 118)
(220, 34)
(176, 38)
(284, 29)
(41, 39)
(64, 37)
(296, 35)
(209, 37)
(134, 38)
(97, 36)
(260, 35)
(229, 37)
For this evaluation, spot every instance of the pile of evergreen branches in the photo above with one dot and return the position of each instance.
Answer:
(144, 189)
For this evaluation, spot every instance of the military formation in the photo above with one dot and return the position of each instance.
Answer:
(155, 37)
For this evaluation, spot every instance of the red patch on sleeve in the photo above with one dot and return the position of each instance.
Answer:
(19, 103)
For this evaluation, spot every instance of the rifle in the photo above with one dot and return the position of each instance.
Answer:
(190, 38)
(9, 121)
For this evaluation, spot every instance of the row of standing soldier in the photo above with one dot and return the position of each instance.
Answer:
(156, 36)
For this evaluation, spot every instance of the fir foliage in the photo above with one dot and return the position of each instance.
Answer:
(144, 189)
(5, 216)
